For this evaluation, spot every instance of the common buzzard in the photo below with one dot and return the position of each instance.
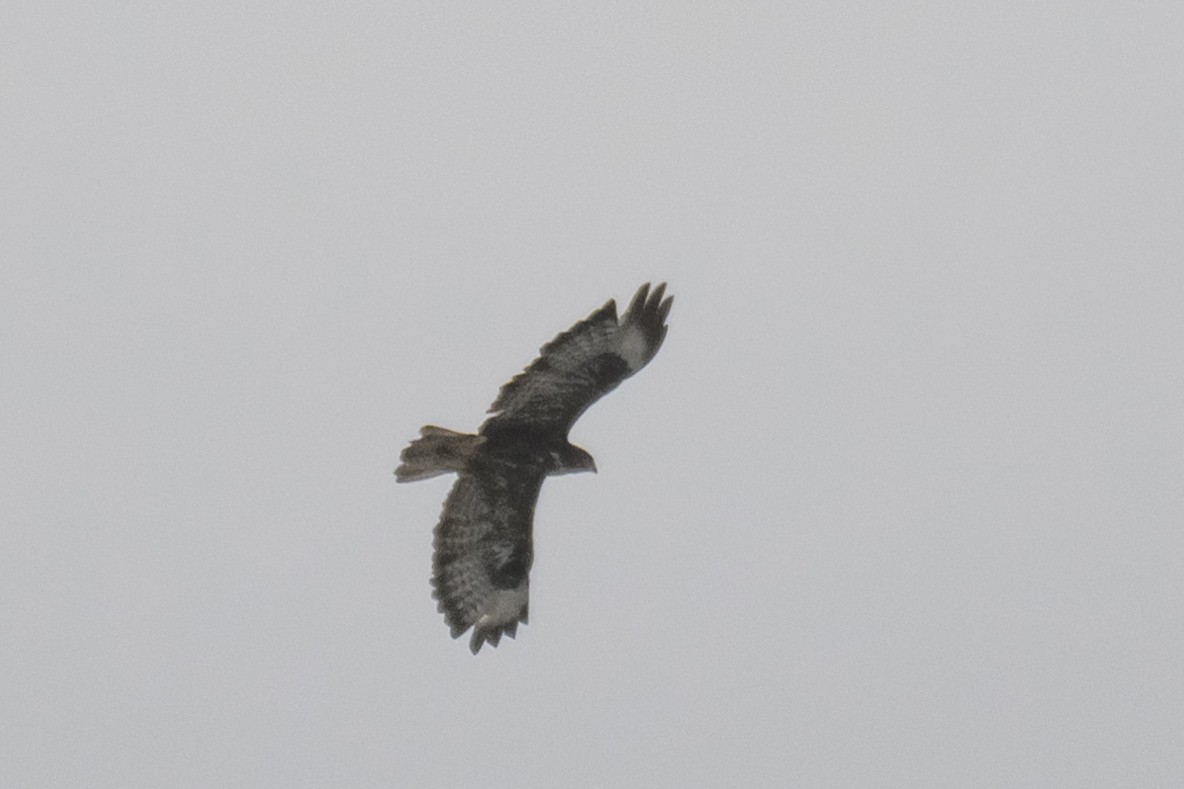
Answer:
(483, 552)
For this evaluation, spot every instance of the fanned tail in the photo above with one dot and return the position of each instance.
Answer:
(437, 451)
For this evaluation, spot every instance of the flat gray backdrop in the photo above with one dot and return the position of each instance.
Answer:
(899, 503)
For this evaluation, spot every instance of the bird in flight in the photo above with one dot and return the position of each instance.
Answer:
(482, 544)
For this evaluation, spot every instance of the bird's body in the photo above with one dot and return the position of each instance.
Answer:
(483, 542)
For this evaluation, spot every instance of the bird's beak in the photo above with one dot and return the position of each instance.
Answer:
(594, 471)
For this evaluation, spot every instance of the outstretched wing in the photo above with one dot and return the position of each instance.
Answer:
(582, 365)
(483, 550)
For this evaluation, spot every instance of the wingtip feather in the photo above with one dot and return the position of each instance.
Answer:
(664, 308)
(491, 636)
(653, 303)
(638, 300)
(658, 292)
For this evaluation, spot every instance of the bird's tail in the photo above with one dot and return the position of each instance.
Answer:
(436, 451)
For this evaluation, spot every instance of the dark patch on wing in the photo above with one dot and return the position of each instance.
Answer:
(509, 574)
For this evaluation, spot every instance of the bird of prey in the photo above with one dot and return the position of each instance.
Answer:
(482, 544)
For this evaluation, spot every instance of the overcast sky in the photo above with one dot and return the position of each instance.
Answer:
(899, 503)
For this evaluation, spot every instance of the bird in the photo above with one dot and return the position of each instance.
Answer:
(482, 545)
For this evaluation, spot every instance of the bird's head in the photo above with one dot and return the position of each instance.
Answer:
(570, 459)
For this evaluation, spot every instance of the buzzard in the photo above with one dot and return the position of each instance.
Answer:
(483, 551)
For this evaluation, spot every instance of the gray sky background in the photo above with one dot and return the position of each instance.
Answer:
(898, 504)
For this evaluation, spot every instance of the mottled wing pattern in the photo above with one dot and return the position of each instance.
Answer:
(581, 365)
(483, 550)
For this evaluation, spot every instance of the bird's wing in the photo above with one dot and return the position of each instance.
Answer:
(483, 550)
(582, 365)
